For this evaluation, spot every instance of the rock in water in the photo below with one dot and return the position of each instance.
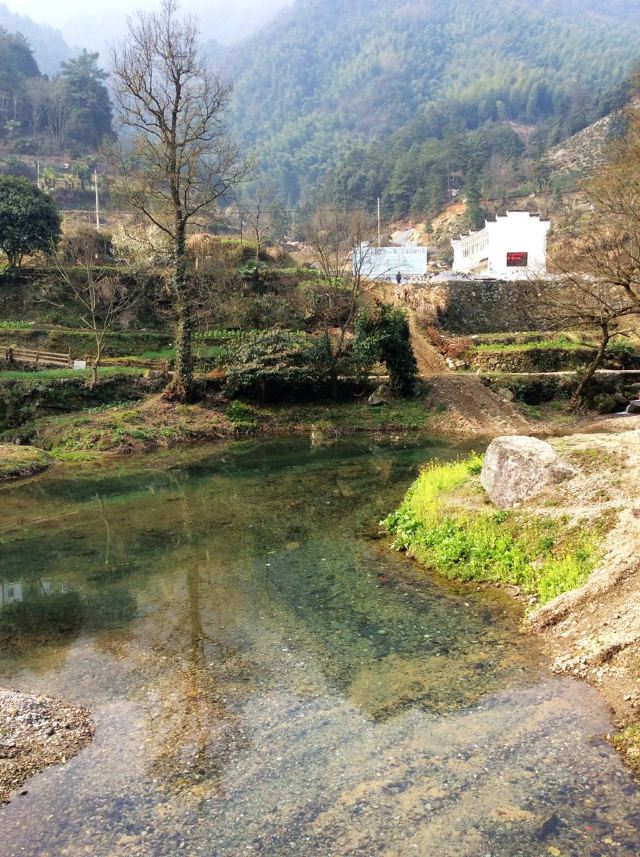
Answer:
(517, 468)
(634, 407)
(381, 396)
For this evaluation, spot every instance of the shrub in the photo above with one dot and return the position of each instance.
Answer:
(383, 336)
(273, 365)
(623, 352)
(87, 245)
(243, 417)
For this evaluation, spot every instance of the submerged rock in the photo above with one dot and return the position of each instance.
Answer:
(518, 467)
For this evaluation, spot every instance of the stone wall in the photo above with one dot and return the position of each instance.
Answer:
(474, 306)
(543, 360)
(534, 389)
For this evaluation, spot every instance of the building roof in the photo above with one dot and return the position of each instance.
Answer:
(532, 214)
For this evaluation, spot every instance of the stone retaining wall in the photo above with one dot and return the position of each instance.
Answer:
(534, 389)
(474, 306)
(535, 360)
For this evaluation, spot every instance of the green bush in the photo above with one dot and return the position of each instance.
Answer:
(383, 336)
(624, 352)
(274, 365)
(243, 417)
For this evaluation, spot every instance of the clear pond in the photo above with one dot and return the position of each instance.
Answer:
(267, 678)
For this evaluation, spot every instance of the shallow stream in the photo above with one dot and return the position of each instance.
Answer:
(267, 678)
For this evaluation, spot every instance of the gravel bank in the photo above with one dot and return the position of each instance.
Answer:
(35, 732)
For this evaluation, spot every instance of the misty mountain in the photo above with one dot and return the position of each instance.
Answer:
(49, 46)
(333, 82)
(221, 21)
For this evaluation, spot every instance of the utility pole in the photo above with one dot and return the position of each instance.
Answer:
(379, 243)
(38, 168)
(95, 179)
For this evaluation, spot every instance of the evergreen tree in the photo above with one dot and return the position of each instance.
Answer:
(475, 213)
(29, 220)
(86, 98)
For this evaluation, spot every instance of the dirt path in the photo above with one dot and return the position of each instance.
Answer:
(471, 409)
(429, 359)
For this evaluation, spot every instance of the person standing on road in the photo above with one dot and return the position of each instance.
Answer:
(398, 278)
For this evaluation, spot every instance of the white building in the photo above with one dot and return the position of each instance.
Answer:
(384, 263)
(511, 247)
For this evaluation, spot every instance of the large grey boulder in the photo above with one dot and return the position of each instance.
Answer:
(382, 395)
(517, 468)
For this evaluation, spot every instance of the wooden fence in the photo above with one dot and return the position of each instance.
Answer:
(40, 358)
(52, 358)
(138, 362)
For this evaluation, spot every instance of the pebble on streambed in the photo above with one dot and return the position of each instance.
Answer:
(36, 732)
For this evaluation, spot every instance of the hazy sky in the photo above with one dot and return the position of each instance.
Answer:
(90, 23)
(54, 13)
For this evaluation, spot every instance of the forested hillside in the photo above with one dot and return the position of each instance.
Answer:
(39, 114)
(355, 99)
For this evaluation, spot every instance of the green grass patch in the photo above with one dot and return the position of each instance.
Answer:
(543, 555)
(34, 377)
(563, 342)
(14, 325)
(21, 461)
(628, 743)
(347, 417)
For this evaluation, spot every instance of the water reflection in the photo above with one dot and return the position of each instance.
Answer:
(267, 678)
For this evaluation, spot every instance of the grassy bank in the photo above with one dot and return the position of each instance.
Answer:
(128, 428)
(628, 744)
(345, 417)
(152, 423)
(19, 462)
(446, 523)
(26, 397)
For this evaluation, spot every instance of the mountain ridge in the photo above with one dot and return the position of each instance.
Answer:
(325, 78)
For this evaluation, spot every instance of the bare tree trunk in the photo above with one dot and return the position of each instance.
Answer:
(96, 363)
(605, 336)
(181, 388)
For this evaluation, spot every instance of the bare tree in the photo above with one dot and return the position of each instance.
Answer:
(595, 266)
(57, 110)
(264, 218)
(37, 91)
(340, 244)
(179, 160)
(572, 301)
(97, 300)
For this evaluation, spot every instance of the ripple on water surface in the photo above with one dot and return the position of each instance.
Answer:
(267, 678)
